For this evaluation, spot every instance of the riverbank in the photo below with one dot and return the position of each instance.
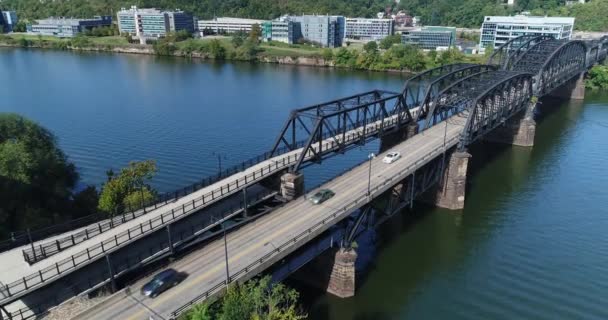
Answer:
(398, 58)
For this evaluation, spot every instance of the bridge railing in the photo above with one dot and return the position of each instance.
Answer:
(328, 221)
(42, 251)
(100, 249)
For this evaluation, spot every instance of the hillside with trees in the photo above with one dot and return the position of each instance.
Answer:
(460, 13)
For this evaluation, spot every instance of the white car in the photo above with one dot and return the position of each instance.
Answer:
(391, 157)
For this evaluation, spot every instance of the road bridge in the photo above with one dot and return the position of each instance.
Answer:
(431, 122)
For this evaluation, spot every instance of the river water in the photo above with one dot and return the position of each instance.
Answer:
(530, 244)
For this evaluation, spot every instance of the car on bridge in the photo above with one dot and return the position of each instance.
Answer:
(321, 196)
(161, 282)
(391, 157)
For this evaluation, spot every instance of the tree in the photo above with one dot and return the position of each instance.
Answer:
(257, 299)
(371, 47)
(217, 50)
(256, 33)
(128, 190)
(389, 41)
(238, 39)
(36, 179)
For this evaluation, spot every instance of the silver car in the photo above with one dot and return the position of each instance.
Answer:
(321, 196)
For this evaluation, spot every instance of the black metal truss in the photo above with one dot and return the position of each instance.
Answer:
(564, 63)
(414, 89)
(495, 105)
(308, 128)
(400, 196)
(436, 86)
(533, 59)
(514, 47)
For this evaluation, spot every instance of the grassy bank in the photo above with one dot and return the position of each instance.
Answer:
(376, 57)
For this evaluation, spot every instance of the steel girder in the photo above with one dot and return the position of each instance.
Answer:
(434, 87)
(567, 61)
(338, 125)
(534, 57)
(415, 87)
(502, 55)
(494, 105)
(520, 52)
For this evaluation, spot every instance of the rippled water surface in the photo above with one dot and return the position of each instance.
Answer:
(531, 242)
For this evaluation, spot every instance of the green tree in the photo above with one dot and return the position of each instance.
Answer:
(256, 33)
(371, 47)
(389, 41)
(327, 54)
(36, 179)
(238, 39)
(129, 189)
(597, 78)
(217, 50)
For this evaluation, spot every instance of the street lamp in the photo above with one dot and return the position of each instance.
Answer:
(226, 255)
(219, 155)
(369, 178)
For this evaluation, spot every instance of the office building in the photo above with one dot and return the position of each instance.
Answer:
(227, 25)
(8, 19)
(368, 29)
(278, 30)
(326, 31)
(430, 38)
(497, 30)
(67, 28)
(151, 23)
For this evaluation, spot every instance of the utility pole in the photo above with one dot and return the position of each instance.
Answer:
(369, 178)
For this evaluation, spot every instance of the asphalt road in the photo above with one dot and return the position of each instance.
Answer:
(206, 267)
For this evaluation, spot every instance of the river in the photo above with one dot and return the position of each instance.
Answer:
(530, 243)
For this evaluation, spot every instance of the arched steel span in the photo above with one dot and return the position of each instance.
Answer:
(566, 62)
(434, 87)
(495, 105)
(517, 54)
(415, 87)
(532, 60)
(502, 54)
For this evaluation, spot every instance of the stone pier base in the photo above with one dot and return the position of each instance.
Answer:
(451, 189)
(573, 89)
(518, 132)
(342, 280)
(292, 185)
(390, 140)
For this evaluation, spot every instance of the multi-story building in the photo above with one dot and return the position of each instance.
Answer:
(278, 30)
(153, 23)
(9, 20)
(227, 25)
(326, 31)
(497, 30)
(430, 38)
(67, 28)
(368, 29)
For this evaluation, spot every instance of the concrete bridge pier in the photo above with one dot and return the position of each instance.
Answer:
(392, 139)
(450, 191)
(519, 130)
(292, 185)
(342, 279)
(573, 89)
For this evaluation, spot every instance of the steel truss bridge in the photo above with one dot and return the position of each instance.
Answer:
(438, 111)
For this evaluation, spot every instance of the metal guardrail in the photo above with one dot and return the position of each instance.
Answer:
(276, 250)
(42, 251)
(100, 249)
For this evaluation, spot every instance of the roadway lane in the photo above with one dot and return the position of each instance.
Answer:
(206, 266)
(15, 271)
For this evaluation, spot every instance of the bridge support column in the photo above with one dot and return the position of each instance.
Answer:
(394, 138)
(573, 89)
(342, 279)
(451, 190)
(519, 130)
(292, 185)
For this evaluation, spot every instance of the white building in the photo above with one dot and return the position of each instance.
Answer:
(497, 30)
(227, 25)
(368, 29)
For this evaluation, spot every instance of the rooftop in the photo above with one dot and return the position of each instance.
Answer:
(529, 19)
(234, 20)
(66, 21)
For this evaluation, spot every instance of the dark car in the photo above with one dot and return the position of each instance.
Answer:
(161, 282)
(321, 196)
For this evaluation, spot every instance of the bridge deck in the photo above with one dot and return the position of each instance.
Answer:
(14, 269)
(206, 267)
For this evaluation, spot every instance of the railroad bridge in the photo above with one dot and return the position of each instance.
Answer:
(261, 206)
